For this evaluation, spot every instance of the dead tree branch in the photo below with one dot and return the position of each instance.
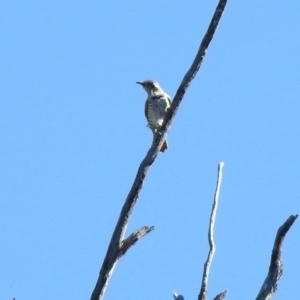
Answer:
(221, 296)
(203, 291)
(187, 79)
(115, 250)
(269, 286)
(134, 237)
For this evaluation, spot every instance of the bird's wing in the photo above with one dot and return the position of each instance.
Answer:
(169, 99)
(146, 109)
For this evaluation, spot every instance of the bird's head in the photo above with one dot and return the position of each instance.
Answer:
(150, 86)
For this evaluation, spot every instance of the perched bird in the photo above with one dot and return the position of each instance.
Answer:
(156, 106)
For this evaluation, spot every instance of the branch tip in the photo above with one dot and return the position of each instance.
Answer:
(269, 286)
(177, 297)
(203, 291)
(221, 296)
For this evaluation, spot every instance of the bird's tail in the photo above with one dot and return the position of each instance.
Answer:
(164, 146)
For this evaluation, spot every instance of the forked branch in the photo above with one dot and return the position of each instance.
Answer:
(117, 240)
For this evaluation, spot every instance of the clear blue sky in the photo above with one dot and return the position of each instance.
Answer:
(73, 134)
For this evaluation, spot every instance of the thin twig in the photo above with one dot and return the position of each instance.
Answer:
(269, 286)
(114, 247)
(203, 291)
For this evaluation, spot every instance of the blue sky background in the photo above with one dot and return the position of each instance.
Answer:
(73, 134)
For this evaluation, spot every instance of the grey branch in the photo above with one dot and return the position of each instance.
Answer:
(177, 297)
(269, 286)
(187, 79)
(221, 296)
(114, 248)
(134, 237)
(203, 291)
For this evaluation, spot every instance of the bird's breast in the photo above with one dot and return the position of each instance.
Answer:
(156, 110)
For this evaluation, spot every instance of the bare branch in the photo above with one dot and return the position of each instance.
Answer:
(187, 79)
(275, 270)
(114, 248)
(134, 237)
(221, 296)
(203, 291)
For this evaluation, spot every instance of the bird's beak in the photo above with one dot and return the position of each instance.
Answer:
(139, 83)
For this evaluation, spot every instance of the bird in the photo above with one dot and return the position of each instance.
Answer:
(156, 106)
